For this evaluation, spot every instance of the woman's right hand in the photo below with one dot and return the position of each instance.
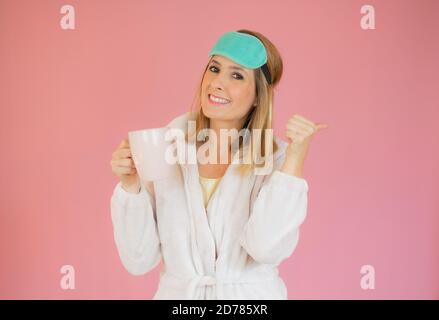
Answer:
(123, 167)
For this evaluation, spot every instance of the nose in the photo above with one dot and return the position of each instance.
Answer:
(218, 82)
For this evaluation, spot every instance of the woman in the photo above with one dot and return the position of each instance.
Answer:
(220, 228)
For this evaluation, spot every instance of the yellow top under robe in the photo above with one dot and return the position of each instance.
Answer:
(208, 185)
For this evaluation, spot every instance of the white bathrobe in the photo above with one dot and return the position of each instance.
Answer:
(231, 249)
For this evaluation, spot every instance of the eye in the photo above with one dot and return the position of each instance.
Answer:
(239, 77)
(210, 68)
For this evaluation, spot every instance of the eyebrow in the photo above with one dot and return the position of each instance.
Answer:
(230, 67)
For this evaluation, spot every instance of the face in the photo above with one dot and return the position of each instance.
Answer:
(228, 90)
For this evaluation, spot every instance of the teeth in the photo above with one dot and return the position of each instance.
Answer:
(219, 100)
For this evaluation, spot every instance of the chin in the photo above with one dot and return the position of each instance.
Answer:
(213, 112)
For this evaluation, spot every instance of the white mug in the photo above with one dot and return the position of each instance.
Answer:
(148, 149)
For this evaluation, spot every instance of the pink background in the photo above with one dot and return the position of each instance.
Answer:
(68, 97)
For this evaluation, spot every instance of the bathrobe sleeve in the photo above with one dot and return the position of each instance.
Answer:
(272, 231)
(135, 229)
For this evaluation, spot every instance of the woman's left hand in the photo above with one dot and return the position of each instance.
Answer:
(299, 132)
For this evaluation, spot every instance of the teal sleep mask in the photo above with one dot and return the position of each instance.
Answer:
(244, 49)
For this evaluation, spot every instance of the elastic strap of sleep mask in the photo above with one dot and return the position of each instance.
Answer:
(266, 73)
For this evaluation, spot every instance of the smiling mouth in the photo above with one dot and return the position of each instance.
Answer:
(217, 100)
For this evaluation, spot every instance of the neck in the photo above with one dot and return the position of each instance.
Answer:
(217, 125)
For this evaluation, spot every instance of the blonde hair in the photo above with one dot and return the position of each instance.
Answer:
(259, 117)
